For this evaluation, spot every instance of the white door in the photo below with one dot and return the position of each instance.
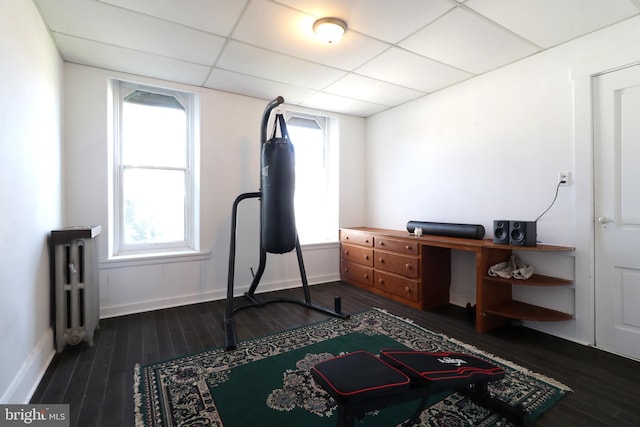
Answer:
(617, 210)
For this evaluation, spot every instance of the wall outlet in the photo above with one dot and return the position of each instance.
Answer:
(563, 178)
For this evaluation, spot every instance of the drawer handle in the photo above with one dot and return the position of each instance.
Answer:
(346, 237)
(381, 281)
(346, 252)
(366, 257)
(381, 260)
(346, 269)
(408, 266)
(381, 243)
(366, 240)
(407, 289)
(366, 276)
(407, 247)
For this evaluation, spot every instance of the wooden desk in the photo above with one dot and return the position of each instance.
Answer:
(417, 271)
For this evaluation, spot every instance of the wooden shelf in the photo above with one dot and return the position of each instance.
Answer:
(540, 247)
(523, 311)
(534, 280)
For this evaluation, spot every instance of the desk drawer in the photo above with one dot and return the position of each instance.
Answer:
(402, 246)
(356, 238)
(399, 264)
(352, 272)
(357, 254)
(407, 289)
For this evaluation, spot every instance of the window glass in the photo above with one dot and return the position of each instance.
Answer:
(154, 136)
(154, 206)
(316, 219)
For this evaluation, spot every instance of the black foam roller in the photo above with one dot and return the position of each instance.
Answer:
(466, 231)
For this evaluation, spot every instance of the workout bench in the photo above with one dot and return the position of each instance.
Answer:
(360, 382)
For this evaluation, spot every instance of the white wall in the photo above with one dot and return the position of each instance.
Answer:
(491, 148)
(30, 194)
(230, 149)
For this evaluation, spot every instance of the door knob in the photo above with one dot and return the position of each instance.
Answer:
(604, 220)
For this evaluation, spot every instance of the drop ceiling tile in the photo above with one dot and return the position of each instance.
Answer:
(115, 58)
(371, 90)
(217, 17)
(468, 42)
(257, 62)
(289, 31)
(339, 104)
(551, 22)
(107, 24)
(390, 21)
(407, 69)
(259, 88)
(272, 49)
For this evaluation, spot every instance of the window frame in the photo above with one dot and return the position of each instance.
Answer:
(190, 102)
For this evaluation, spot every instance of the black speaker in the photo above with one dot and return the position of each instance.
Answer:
(501, 231)
(465, 231)
(522, 233)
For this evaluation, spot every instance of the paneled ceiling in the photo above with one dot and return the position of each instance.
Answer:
(394, 51)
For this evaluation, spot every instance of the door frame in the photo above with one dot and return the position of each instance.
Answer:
(584, 174)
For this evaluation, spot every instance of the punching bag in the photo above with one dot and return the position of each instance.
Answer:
(279, 233)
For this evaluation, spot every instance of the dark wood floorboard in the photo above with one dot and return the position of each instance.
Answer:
(97, 381)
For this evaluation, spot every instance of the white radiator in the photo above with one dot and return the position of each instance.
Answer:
(77, 296)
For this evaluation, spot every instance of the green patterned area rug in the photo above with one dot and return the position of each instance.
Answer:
(266, 381)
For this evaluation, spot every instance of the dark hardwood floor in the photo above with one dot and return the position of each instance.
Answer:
(97, 381)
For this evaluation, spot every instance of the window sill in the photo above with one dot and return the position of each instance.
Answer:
(184, 256)
(154, 258)
(319, 245)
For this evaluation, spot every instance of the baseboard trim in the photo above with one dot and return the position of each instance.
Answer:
(30, 374)
(460, 296)
(180, 300)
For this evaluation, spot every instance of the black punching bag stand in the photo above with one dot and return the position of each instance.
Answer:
(253, 300)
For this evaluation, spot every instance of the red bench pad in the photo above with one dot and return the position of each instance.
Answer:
(359, 376)
(447, 369)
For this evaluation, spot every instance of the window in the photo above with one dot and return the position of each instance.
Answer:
(316, 195)
(154, 197)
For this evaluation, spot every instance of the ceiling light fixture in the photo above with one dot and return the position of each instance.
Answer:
(329, 30)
